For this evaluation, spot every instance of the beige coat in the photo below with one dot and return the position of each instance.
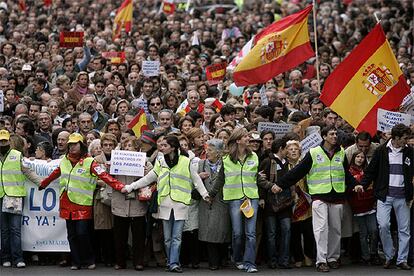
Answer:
(102, 215)
(123, 207)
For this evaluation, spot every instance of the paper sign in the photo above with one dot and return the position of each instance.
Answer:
(71, 39)
(150, 68)
(386, 120)
(263, 96)
(311, 141)
(125, 162)
(216, 72)
(407, 104)
(114, 57)
(1, 101)
(278, 129)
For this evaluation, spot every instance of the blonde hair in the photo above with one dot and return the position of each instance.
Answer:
(233, 147)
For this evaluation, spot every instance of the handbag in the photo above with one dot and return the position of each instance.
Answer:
(281, 200)
(145, 193)
(12, 205)
(105, 195)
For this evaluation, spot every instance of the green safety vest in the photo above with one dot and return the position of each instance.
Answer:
(12, 178)
(240, 179)
(326, 173)
(77, 181)
(175, 182)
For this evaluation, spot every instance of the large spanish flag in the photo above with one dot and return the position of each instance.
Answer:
(123, 19)
(368, 79)
(278, 48)
(139, 123)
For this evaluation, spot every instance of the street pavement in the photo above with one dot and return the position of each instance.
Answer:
(351, 270)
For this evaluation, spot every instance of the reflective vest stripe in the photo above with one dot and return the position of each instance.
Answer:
(232, 174)
(11, 184)
(325, 181)
(181, 177)
(12, 172)
(81, 191)
(180, 188)
(324, 169)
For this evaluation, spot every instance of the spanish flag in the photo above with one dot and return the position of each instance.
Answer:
(139, 123)
(368, 79)
(278, 48)
(123, 19)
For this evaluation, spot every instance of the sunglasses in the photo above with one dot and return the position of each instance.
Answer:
(155, 104)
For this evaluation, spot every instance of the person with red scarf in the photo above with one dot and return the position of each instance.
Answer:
(78, 173)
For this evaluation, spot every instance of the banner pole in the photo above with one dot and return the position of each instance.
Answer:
(316, 47)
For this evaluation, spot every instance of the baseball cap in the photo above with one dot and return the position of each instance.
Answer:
(75, 138)
(247, 208)
(4, 135)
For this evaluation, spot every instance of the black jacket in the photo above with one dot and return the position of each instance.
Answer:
(378, 171)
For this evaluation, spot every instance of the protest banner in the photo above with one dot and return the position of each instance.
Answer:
(114, 57)
(215, 73)
(311, 141)
(1, 101)
(386, 120)
(278, 129)
(150, 68)
(263, 96)
(71, 39)
(42, 228)
(125, 162)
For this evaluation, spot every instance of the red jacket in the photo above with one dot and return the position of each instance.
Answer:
(361, 202)
(70, 210)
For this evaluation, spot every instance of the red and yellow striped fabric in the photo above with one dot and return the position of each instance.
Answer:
(278, 48)
(123, 19)
(368, 79)
(139, 123)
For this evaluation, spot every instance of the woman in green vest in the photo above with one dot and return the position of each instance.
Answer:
(239, 179)
(176, 176)
(78, 173)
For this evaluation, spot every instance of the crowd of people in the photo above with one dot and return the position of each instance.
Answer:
(221, 190)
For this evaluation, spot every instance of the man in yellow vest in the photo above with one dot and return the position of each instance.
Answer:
(327, 174)
(13, 176)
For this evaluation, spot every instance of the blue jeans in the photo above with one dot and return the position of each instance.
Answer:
(237, 221)
(368, 228)
(402, 213)
(11, 232)
(283, 241)
(173, 230)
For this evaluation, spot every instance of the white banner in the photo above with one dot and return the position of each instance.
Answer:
(386, 120)
(150, 68)
(311, 141)
(278, 129)
(125, 162)
(42, 228)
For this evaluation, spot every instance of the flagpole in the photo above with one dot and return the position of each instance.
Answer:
(316, 47)
(376, 17)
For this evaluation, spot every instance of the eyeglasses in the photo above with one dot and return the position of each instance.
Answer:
(155, 104)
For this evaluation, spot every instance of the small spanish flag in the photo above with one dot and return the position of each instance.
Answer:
(168, 6)
(368, 79)
(278, 48)
(217, 105)
(139, 123)
(22, 5)
(47, 3)
(123, 19)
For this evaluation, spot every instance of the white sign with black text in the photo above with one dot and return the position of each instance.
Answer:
(386, 120)
(150, 68)
(125, 162)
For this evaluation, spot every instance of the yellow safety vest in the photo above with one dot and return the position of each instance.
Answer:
(12, 178)
(240, 179)
(175, 182)
(326, 173)
(77, 181)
